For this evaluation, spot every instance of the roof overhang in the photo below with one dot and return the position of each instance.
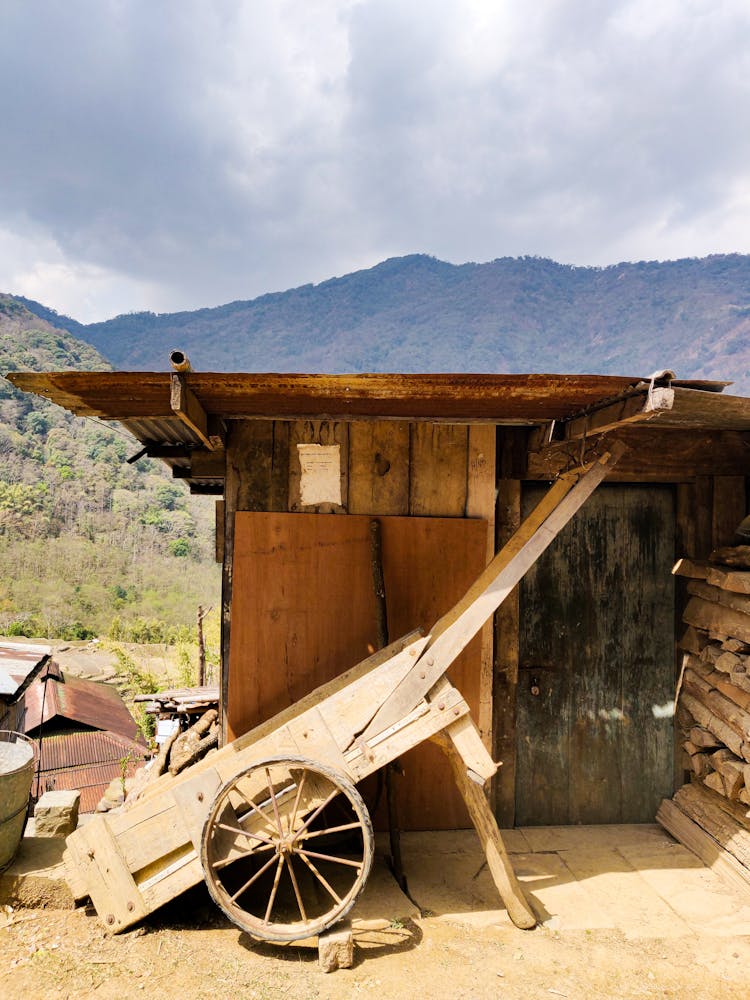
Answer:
(181, 417)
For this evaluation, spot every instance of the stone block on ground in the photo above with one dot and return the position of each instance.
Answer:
(56, 814)
(336, 948)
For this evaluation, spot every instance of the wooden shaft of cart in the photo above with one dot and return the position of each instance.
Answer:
(132, 862)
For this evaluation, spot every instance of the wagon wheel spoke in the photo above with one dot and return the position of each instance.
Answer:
(224, 862)
(259, 811)
(295, 807)
(309, 834)
(244, 833)
(293, 877)
(320, 878)
(318, 811)
(250, 881)
(329, 857)
(275, 889)
(274, 803)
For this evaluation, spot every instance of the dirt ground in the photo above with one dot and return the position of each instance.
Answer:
(626, 913)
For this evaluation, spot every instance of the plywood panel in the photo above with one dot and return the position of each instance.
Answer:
(429, 563)
(304, 611)
(595, 744)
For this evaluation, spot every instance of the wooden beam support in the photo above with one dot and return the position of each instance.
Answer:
(507, 632)
(207, 489)
(635, 409)
(485, 824)
(480, 503)
(186, 405)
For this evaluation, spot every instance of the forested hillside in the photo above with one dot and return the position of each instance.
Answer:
(420, 314)
(89, 544)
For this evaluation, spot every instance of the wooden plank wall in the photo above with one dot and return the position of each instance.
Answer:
(394, 468)
(387, 468)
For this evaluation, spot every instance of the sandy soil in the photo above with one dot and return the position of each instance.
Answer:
(189, 950)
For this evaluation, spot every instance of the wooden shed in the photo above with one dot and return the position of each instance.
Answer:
(573, 686)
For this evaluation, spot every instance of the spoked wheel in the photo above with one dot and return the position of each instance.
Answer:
(287, 847)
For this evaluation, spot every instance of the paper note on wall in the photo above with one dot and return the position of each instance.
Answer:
(320, 480)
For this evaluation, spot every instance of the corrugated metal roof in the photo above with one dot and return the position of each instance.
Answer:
(17, 661)
(64, 764)
(79, 701)
(79, 749)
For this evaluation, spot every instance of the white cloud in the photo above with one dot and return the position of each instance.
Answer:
(180, 154)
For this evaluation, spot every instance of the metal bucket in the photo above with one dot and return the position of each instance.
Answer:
(16, 775)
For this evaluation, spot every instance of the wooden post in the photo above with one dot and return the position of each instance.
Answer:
(728, 509)
(484, 822)
(201, 648)
(480, 502)
(507, 626)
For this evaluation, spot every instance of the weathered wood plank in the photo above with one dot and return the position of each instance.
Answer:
(485, 824)
(219, 531)
(721, 862)
(658, 455)
(438, 473)
(186, 405)
(110, 884)
(636, 409)
(379, 467)
(729, 508)
(480, 502)
(507, 625)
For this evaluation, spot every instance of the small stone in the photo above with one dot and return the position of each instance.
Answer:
(336, 948)
(56, 813)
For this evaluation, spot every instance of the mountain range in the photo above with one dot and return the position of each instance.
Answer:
(417, 313)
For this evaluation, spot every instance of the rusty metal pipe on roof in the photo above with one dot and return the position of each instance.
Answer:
(180, 361)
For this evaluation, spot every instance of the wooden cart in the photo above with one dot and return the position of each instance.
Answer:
(273, 821)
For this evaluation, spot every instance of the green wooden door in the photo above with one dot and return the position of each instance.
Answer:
(594, 726)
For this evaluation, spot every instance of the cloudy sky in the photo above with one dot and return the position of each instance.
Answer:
(170, 154)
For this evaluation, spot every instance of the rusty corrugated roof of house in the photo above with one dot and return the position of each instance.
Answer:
(64, 750)
(87, 761)
(77, 701)
(17, 661)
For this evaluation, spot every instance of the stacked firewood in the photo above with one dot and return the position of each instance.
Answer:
(711, 814)
(178, 752)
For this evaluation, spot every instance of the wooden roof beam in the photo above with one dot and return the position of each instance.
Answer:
(633, 409)
(203, 465)
(186, 405)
